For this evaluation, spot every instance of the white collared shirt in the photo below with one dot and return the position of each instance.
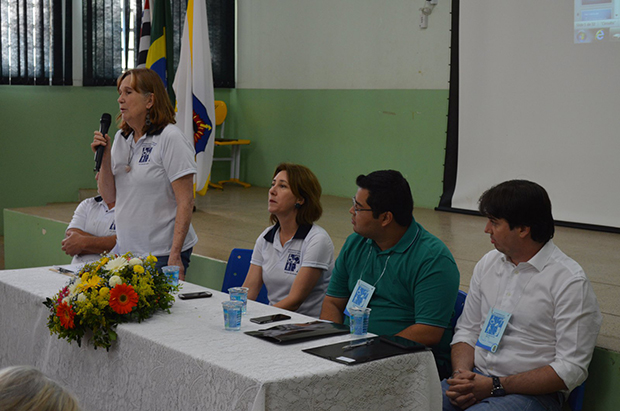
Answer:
(145, 202)
(555, 315)
(281, 263)
(93, 217)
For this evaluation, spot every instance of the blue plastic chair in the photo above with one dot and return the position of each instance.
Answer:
(458, 307)
(236, 270)
(575, 399)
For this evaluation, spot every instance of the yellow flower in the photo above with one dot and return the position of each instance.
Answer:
(151, 259)
(89, 283)
(138, 269)
(104, 292)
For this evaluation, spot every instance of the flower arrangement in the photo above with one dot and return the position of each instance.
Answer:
(112, 290)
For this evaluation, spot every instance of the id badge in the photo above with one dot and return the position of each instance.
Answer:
(360, 297)
(493, 329)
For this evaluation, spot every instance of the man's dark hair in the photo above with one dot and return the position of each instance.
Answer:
(388, 191)
(523, 204)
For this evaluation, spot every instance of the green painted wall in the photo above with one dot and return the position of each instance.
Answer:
(602, 385)
(46, 132)
(45, 142)
(340, 134)
(31, 241)
(206, 272)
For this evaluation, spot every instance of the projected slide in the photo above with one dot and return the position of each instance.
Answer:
(534, 105)
(597, 21)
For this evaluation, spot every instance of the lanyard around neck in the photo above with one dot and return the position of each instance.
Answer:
(415, 237)
(366, 264)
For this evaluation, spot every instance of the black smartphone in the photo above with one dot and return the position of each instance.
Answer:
(189, 296)
(270, 318)
(403, 343)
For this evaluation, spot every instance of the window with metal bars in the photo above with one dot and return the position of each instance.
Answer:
(112, 34)
(35, 42)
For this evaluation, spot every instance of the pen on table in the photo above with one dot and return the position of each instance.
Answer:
(360, 344)
(62, 271)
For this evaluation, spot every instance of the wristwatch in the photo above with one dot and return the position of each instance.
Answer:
(498, 390)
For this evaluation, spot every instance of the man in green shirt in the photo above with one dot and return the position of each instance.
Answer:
(408, 274)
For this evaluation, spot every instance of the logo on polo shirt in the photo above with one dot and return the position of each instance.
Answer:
(113, 226)
(292, 262)
(146, 155)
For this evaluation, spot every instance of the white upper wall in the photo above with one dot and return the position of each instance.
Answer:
(342, 44)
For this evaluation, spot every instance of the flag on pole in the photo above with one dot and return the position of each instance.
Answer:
(193, 85)
(145, 35)
(160, 54)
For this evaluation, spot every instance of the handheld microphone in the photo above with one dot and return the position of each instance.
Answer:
(104, 125)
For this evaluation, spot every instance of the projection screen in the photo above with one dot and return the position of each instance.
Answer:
(539, 100)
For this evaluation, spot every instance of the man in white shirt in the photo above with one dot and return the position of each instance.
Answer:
(91, 232)
(530, 321)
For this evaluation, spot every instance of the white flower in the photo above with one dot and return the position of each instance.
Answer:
(72, 288)
(67, 300)
(135, 261)
(81, 297)
(114, 280)
(116, 264)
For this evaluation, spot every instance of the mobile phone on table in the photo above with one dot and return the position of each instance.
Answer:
(402, 342)
(270, 318)
(190, 296)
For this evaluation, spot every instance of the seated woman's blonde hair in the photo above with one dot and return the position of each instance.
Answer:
(24, 388)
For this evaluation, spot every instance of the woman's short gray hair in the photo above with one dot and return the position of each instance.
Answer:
(24, 388)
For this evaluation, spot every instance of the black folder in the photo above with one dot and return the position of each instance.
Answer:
(366, 349)
(292, 333)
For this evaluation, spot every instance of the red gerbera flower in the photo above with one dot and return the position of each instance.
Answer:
(65, 314)
(123, 298)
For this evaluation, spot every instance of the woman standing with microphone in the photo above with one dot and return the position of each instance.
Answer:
(149, 172)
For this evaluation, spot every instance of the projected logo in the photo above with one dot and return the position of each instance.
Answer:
(581, 37)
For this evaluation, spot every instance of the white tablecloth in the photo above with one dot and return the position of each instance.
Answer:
(187, 361)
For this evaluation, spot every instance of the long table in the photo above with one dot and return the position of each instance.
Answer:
(187, 361)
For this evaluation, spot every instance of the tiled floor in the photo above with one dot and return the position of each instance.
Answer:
(235, 216)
